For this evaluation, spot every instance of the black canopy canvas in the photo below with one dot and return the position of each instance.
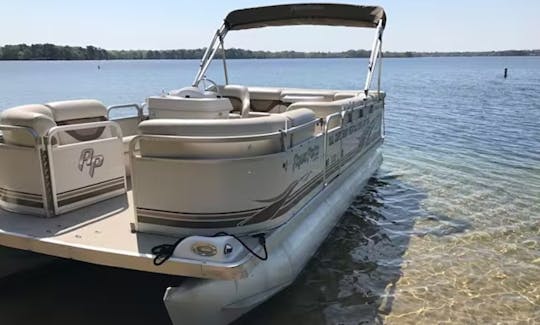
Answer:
(306, 14)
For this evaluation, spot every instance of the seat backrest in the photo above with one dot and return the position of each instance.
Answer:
(266, 99)
(36, 117)
(184, 148)
(78, 112)
(207, 107)
(304, 94)
(321, 109)
(84, 164)
(298, 117)
(347, 94)
(239, 96)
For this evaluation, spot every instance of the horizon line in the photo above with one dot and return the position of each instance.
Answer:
(269, 51)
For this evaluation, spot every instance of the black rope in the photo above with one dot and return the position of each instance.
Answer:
(260, 237)
(165, 251)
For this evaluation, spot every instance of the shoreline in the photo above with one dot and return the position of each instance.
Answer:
(282, 58)
(51, 52)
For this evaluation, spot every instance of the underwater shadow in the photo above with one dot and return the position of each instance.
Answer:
(353, 276)
(70, 292)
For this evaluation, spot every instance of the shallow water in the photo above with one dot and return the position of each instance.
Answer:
(448, 230)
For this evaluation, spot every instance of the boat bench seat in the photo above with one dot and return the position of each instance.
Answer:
(265, 93)
(266, 99)
(216, 128)
(54, 160)
(347, 94)
(36, 117)
(277, 99)
(189, 175)
(41, 118)
(171, 106)
(306, 94)
(321, 109)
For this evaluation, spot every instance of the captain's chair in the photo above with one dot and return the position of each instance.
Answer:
(58, 157)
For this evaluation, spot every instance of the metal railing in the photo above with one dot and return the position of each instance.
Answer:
(138, 107)
(77, 127)
(328, 120)
(30, 131)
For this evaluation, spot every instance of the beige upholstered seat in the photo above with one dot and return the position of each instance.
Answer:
(265, 93)
(72, 110)
(347, 94)
(298, 117)
(211, 128)
(266, 99)
(36, 117)
(78, 112)
(81, 165)
(326, 95)
(186, 148)
(163, 107)
(214, 127)
(321, 109)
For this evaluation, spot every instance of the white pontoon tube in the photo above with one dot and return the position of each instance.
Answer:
(200, 301)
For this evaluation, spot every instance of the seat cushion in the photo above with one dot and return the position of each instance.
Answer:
(298, 117)
(264, 93)
(214, 127)
(77, 109)
(37, 117)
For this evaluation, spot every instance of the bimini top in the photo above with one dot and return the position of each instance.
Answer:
(306, 14)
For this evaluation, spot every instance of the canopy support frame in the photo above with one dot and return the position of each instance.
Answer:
(209, 54)
(223, 57)
(376, 51)
(376, 55)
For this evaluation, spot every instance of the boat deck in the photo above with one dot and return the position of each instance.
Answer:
(101, 234)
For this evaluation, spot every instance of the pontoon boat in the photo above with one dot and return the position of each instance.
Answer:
(233, 187)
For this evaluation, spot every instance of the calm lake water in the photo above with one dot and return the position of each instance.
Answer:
(448, 230)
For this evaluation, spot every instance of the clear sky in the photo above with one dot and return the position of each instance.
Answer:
(413, 25)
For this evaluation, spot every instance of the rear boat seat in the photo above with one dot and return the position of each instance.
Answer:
(63, 168)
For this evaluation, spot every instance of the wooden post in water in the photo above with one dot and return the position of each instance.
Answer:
(505, 73)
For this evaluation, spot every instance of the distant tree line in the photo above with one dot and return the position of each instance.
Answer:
(56, 52)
